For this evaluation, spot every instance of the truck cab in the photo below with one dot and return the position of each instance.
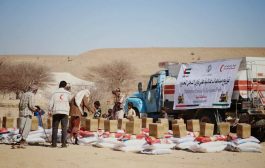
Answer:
(149, 102)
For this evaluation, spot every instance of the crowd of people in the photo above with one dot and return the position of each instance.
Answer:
(63, 106)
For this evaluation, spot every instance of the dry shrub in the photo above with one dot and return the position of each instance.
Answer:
(18, 77)
(107, 77)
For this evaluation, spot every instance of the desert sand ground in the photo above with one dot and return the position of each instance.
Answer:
(88, 156)
(145, 60)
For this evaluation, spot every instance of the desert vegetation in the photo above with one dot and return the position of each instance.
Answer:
(107, 77)
(17, 78)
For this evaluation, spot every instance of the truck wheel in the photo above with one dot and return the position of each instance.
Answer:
(205, 119)
(259, 130)
(206, 116)
(260, 134)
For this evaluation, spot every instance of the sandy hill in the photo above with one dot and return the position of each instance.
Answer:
(145, 60)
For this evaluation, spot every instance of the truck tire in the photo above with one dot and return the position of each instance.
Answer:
(259, 130)
(206, 116)
(260, 134)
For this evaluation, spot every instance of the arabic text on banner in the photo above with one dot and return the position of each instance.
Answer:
(205, 85)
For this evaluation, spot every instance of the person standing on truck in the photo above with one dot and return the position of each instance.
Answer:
(118, 112)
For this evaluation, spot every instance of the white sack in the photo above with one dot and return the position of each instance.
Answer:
(156, 151)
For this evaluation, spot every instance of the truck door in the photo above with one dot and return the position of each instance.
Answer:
(151, 97)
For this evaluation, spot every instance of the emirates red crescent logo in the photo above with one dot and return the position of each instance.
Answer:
(61, 97)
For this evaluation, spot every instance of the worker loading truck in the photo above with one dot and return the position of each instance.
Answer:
(213, 91)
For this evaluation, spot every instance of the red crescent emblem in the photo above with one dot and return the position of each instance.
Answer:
(61, 97)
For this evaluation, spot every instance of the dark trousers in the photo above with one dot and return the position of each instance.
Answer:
(56, 119)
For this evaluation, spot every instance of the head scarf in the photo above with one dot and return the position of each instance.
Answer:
(79, 97)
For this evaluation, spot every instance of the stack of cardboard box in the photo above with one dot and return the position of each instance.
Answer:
(111, 125)
(164, 122)
(193, 125)
(206, 129)
(156, 130)
(101, 123)
(92, 125)
(243, 130)
(122, 123)
(224, 128)
(179, 130)
(146, 122)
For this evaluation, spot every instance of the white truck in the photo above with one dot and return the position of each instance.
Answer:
(212, 91)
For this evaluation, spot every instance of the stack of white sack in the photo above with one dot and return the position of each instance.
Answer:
(164, 147)
(107, 143)
(10, 136)
(133, 145)
(41, 134)
(87, 140)
(209, 147)
(250, 144)
(184, 142)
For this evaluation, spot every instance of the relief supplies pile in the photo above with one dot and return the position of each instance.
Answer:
(142, 143)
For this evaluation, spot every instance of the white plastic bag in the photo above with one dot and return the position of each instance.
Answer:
(250, 139)
(183, 139)
(128, 148)
(159, 146)
(35, 140)
(249, 147)
(209, 147)
(104, 145)
(186, 145)
(156, 151)
(87, 140)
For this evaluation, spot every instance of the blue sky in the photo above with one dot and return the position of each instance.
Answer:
(74, 26)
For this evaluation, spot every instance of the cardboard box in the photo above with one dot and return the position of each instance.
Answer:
(165, 123)
(156, 130)
(83, 122)
(224, 128)
(1, 123)
(146, 122)
(48, 123)
(137, 120)
(178, 121)
(193, 125)
(92, 125)
(133, 118)
(44, 122)
(101, 123)
(122, 123)
(133, 127)
(9, 122)
(34, 123)
(179, 130)
(111, 125)
(206, 129)
(243, 130)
